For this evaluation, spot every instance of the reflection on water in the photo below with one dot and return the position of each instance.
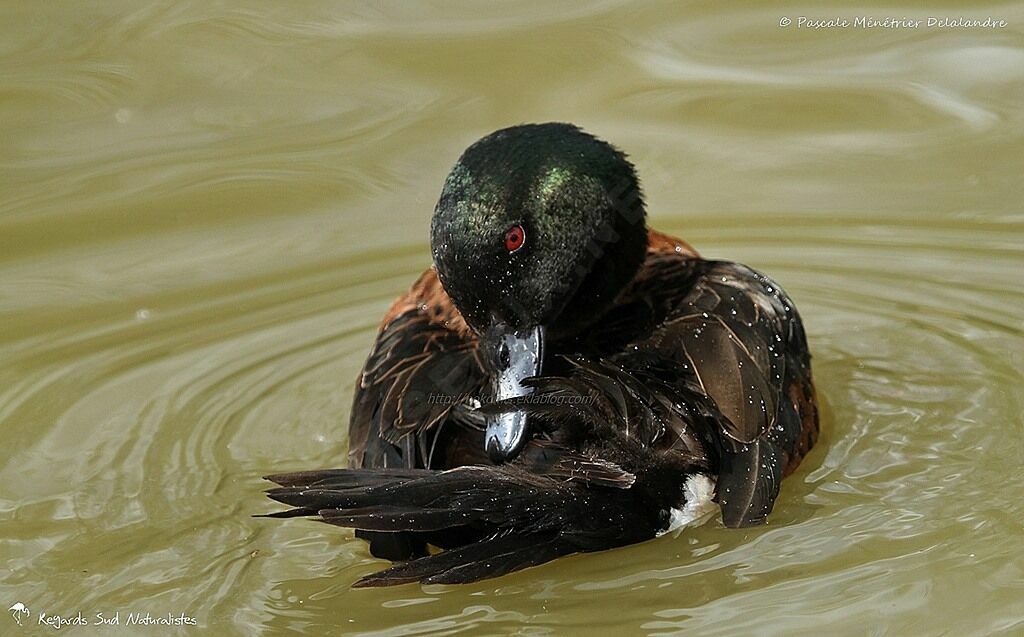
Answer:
(205, 209)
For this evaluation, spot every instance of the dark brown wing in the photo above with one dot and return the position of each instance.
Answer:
(423, 368)
(492, 520)
(733, 327)
(740, 337)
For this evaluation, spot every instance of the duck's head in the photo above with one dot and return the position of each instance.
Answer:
(538, 228)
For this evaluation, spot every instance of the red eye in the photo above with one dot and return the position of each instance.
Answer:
(515, 237)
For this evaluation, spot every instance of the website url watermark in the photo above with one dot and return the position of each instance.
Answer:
(476, 400)
(894, 23)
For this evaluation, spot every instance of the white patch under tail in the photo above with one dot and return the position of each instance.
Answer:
(698, 493)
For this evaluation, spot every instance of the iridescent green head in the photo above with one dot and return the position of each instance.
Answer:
(540, 224)
(538, 228)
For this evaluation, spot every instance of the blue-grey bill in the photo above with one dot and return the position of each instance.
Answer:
(507, 431)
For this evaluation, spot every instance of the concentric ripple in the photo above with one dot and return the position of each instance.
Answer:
(205, 210)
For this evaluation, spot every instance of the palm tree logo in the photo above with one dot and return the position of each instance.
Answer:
(18, 611)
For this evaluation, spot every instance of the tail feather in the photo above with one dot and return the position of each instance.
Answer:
(390, 518)
(503, 563)
(297, 512)
(315, 499)
(345, 478)
(489, 558)
(492, 520)
(369, 487)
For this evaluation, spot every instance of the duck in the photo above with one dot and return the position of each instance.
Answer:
(563, 379)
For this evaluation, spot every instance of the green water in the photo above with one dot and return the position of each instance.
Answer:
(205, 207)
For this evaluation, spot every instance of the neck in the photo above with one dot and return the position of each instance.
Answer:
(617, 262)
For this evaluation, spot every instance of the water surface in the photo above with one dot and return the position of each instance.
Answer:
(205, 208)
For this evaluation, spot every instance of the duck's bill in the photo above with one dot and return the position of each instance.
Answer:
(515, 355)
